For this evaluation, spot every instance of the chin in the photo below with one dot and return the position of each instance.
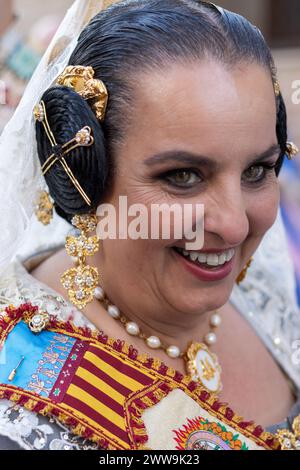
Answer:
(202, 301)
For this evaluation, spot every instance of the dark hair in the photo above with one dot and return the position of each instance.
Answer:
(129, 37)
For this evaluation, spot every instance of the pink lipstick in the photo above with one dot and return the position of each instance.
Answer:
(215, 273)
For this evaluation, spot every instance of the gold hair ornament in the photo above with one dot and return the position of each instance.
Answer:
(44, 208)
(276, 87)
(291, 150)
(82, 80)
(83, 138)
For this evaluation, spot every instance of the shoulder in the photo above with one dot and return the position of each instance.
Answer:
(17, 279)
(50, 270)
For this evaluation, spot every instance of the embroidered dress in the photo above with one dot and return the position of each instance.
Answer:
(81, 389)
(70, 386)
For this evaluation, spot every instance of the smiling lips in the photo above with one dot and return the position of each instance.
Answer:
(207, 266)
(210, 259)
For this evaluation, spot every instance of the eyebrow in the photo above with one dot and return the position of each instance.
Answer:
(189, 158)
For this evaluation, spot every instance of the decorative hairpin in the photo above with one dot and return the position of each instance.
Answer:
(82, 138)
(291, 150)
(82, 80)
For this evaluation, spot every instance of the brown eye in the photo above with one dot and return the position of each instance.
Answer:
(182, 178)
(258, 173)
(255, 172)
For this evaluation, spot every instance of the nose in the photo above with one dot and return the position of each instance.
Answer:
(225, 215)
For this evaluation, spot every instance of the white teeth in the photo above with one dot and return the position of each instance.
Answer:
(193, 255)
(209, 258)
(212, 260)
(202, 258)
(222, 258)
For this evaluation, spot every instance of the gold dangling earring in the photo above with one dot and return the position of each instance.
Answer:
(243, 273)
(82, 280)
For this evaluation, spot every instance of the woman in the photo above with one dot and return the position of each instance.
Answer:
(194, 115)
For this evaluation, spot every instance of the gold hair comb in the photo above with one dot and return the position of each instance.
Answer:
(82, 80)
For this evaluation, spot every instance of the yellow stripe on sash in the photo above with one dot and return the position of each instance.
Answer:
(96, 425)
(100, 385)
(129, 363)
(123, 379)
(96, 405)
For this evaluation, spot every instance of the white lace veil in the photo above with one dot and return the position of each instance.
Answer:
(20, 172)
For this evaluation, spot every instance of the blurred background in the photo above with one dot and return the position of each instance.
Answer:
(27, 26)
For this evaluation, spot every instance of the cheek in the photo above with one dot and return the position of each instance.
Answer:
(262, 211)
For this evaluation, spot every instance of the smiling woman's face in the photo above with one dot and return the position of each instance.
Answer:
(205, 110)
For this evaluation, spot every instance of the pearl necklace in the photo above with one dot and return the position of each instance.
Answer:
(201, 363)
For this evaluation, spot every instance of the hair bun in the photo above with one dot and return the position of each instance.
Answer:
(67, 113)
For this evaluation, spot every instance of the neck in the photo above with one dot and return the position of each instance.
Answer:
(171, 326)
(150, 311)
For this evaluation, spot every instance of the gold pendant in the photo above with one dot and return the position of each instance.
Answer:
(203, 366)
